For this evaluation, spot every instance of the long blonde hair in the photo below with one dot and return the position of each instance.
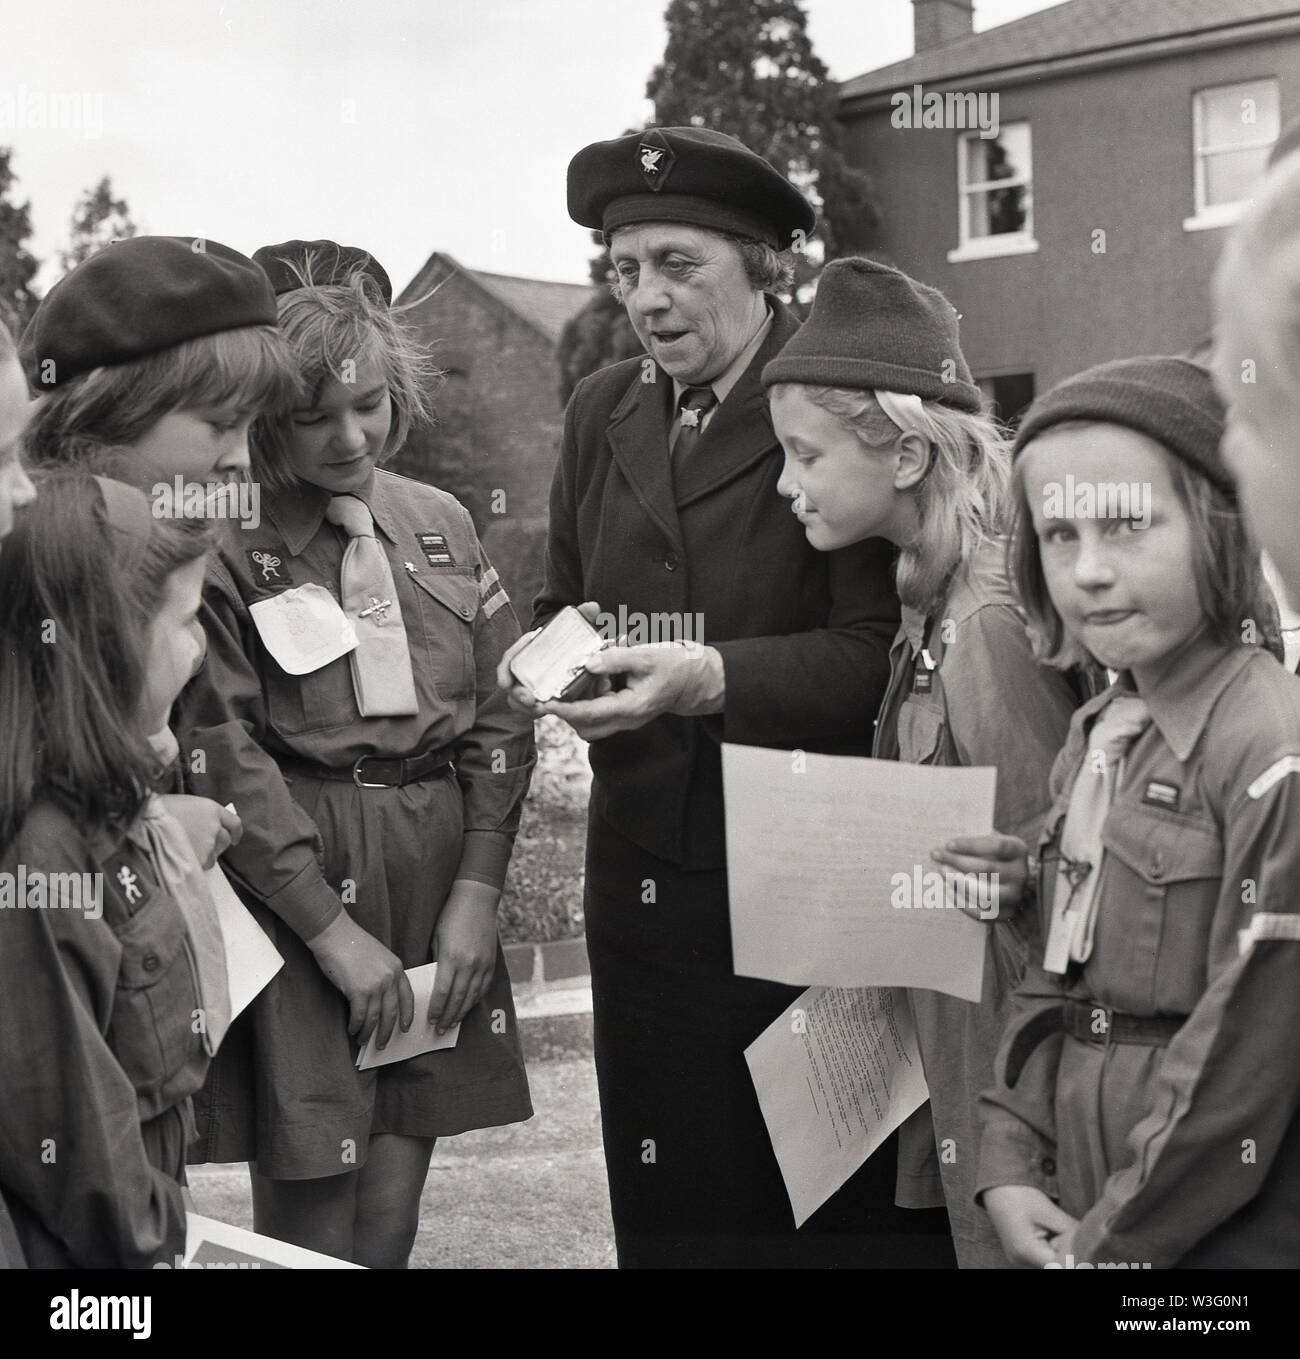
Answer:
(960, 502)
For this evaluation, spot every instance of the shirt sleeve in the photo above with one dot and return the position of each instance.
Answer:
(71, 1148)
(1229, 1084)
(495, 758)
(822, 686)
(221, 722)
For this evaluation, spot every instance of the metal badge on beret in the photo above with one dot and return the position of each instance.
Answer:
(656, 159)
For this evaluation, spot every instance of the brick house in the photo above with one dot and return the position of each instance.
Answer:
(1066, 179)
(495, 337)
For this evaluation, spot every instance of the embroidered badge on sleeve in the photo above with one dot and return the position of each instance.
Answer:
(491, 593)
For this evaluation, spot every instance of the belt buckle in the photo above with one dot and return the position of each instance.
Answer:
(356, 775)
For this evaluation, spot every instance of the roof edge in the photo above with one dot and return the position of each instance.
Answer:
(1234, 32)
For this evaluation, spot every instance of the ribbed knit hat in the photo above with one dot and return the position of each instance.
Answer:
(1170, 400)
(873, 328)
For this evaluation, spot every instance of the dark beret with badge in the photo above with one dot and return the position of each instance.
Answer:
(690, 175)
(138, 296)
(319, 264)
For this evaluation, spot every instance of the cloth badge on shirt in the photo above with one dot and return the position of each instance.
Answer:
(492, 594)
(129, 881)
(1162, 795)
(268, 567)
(435, 549)
(304, 629)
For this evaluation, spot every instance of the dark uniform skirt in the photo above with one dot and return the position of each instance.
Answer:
(693, 1180)
(284, 1092)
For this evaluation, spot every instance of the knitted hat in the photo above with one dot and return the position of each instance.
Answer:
(1172, 401)
(324, 262)
(690, 175)
(874, 328)
(138, 296)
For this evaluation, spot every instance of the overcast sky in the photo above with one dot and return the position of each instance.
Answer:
(405, 126)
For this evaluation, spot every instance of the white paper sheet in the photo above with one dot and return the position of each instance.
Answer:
(251, 958)
(817, 846)
(210, 1244)
(835, 1075)
(421, 1036)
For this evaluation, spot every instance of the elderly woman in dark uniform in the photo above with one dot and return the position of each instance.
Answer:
(664, 507)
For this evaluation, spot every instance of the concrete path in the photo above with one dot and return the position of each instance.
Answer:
(529, 1196)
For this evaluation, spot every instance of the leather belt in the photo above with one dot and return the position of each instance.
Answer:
(376, 771)
(1094, 1023)
(1089, 1022)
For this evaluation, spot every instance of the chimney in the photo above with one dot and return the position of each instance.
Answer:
(935, 23)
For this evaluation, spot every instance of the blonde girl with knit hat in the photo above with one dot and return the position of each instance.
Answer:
(885, 435)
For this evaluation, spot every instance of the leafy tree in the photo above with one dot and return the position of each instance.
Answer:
(747, 68)
(17, 266)
(600, 334)
(97, 220)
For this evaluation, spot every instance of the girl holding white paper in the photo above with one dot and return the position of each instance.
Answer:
(886, 436)
(349, 709)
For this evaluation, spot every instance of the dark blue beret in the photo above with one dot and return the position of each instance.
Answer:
(135, 297)
(324, 263)
(690, 175)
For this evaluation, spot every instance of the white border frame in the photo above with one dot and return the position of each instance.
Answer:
(1210, 216)
(1004, 243)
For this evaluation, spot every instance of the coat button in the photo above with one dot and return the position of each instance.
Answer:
(465, 611)
(1157, 866)
(150, 963)
(672, 561)
(1049, 1166)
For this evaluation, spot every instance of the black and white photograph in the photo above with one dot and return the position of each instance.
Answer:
(649, 635)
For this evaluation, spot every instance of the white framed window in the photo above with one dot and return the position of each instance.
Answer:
(995, 198)
(1233, 127)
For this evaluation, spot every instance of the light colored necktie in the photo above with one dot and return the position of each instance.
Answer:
(381, 664)
(695, 404)
(181, 876)
(1074, 905)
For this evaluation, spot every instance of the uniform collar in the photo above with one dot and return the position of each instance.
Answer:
(300, 511)
(1193, 679)
(724, 382)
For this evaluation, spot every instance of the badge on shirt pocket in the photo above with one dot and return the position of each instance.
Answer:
(304, 629)
(435, 549)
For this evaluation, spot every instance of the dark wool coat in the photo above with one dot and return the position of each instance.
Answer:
(804, 635)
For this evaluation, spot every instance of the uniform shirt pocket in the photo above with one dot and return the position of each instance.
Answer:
(448, 603)
(1160, 896)
(922, 727)
(319, 700)
(153, 1012)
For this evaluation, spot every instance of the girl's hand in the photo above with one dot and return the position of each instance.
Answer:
(1029, 1225)
(210, 828)
(1005, 856)
(521, 698)
(369, 975)
(465, 948)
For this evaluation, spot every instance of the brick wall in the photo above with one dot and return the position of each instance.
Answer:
(501, 389)
(1112, 150)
